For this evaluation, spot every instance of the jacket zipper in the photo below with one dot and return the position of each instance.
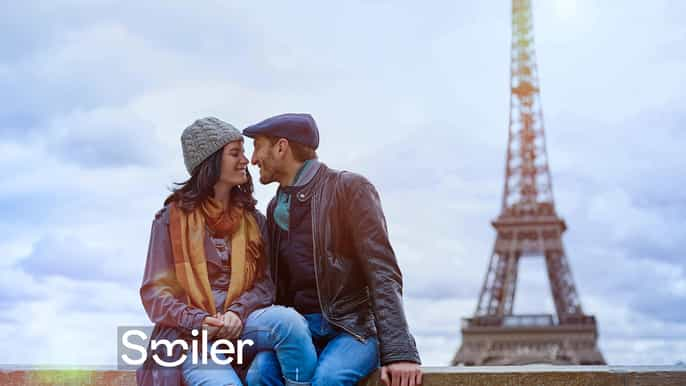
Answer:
(316, 273)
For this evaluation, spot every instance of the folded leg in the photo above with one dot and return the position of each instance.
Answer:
(285, 332)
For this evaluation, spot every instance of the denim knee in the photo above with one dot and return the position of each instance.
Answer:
(280, 321)
(285, 332)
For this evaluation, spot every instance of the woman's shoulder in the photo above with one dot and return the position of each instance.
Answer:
(162, 215)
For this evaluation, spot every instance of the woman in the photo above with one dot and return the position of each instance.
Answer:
(206, 267)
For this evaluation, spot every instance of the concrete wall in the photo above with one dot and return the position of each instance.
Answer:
(433, 376)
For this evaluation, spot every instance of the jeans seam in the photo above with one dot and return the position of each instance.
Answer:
(272, 336)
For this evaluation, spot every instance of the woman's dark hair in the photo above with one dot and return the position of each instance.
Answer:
(189, 194)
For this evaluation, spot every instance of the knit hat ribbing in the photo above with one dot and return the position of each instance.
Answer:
(204, 137)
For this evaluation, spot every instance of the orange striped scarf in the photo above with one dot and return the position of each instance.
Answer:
(187, 232)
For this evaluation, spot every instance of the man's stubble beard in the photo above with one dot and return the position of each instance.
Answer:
(268, 173)
(264, 181)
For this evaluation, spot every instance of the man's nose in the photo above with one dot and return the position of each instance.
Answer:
(253, 160)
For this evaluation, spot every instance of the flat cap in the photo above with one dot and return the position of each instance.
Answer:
(300, 128)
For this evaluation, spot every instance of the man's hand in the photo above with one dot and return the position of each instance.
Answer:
(231, 325)
(401, 374)
(212, 324)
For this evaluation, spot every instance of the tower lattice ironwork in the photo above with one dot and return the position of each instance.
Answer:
(528, 226)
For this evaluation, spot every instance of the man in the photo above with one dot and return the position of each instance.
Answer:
(331, 260)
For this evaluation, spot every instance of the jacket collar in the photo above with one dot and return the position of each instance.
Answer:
(305, 179)
(305, 192)
(307, 172)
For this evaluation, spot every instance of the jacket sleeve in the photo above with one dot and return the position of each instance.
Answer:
(370, 238)
(161, 294)
(263, 292)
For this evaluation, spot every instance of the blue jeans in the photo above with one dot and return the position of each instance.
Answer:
(343, 360)
(278, 330)
(209, 374)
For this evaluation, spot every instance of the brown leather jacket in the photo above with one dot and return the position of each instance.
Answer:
(359, 283)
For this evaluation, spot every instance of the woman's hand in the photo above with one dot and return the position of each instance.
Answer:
(231, 327)
(212, 324)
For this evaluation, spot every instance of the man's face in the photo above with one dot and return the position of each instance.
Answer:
(264, 156)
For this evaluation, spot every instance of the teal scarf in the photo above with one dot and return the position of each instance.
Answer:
(283, 199)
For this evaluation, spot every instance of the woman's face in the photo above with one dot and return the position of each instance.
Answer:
(234, 164)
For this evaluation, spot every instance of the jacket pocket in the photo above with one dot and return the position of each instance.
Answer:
(351, 303)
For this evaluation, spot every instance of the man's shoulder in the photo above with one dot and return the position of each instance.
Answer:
(349, 182)
(352, 178)
(342, 176)
(346, 183)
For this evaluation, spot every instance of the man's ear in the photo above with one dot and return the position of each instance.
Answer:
(282, 146)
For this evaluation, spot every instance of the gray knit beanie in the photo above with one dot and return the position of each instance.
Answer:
(204, 137)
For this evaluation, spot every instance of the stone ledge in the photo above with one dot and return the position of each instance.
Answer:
(433, 376)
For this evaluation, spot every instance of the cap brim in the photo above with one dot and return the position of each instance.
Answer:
(249, 133)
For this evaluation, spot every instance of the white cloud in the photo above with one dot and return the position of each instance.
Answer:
(70, 323)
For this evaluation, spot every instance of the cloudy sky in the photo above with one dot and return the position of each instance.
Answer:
(94, 96)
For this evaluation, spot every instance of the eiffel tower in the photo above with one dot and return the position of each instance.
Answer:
(528, 226)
